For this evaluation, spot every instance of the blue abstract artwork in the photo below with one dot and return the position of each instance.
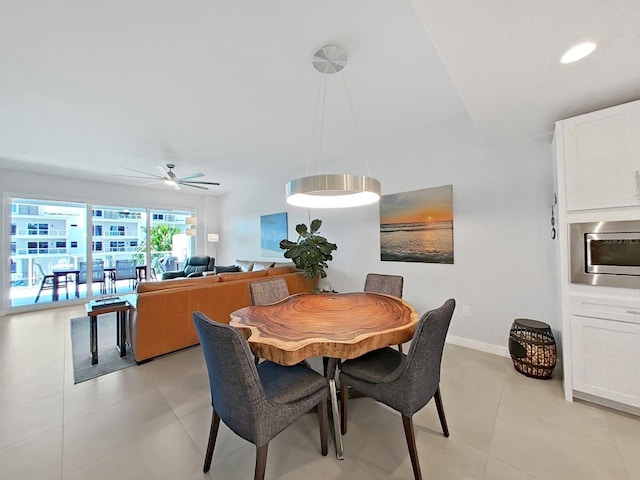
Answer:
(273, 228)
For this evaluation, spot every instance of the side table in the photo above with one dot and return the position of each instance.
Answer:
(532, 348)
(122, 311)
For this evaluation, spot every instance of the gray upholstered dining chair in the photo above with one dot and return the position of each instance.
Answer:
(387, 284)
(255, 402)
(268, 291)
(405, 383)
(380, 283)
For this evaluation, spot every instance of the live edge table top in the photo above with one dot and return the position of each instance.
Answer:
(344, 325)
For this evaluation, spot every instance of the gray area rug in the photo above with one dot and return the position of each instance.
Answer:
(109, 359)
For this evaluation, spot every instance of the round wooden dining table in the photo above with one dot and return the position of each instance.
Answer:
(334, 326)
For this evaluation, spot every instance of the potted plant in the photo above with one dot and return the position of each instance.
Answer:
(310, 252)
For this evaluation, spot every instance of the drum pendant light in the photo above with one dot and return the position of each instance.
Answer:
(337, 190)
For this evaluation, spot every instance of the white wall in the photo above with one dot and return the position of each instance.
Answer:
(504, 256)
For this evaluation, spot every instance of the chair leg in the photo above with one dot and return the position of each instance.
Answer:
(344, 400)
(400, 347)
(443, 419)
(411, 443)
(261, 462)
(39, 292)
(323, 419)
(213, 433)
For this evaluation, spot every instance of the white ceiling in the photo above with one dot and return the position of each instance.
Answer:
(88, 87)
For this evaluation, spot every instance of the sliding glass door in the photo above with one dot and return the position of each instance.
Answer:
(171, 240)
(47, 239)
(64, 251)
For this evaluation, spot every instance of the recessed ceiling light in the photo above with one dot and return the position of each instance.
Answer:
(578, 52)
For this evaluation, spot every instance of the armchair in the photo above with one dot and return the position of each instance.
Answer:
(193, 268)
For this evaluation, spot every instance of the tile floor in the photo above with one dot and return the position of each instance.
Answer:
(151, 422)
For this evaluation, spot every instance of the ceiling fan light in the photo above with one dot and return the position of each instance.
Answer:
(332, 191)
(578, 52)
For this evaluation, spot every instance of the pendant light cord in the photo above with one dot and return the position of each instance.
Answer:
(321, 100)
(321, 83)
(355, 122)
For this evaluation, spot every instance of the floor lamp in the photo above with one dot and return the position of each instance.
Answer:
(213, 238)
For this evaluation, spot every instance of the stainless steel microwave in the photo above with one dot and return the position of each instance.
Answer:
(605, 253)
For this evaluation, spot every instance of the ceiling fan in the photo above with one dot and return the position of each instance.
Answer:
(170, 178)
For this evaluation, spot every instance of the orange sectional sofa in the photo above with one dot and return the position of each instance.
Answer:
(161, 320)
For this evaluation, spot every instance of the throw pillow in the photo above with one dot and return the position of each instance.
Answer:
(257, 266)
(228, 268)
(245, 265)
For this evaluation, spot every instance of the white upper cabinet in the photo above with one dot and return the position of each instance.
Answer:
(602, 158)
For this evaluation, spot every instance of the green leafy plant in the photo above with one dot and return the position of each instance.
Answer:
(161, 238)
(311, 251)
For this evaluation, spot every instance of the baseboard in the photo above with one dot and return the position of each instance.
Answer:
(606, 403)
(476, 345)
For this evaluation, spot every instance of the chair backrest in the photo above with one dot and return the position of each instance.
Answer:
(40, 273)
(388, 284)
(198, 263)
(125, 270)
(268, 291)
(421, 376)
(236, 389)
(168, 264)
(97, 271)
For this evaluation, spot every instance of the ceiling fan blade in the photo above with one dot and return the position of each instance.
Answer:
(202, 183)
(144, 173)
(193, 175)
(138, 176)
(163, 170)
(193, 186)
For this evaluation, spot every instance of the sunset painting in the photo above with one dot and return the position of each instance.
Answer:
(417, 226)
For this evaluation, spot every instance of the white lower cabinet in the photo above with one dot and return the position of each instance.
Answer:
(606, 358)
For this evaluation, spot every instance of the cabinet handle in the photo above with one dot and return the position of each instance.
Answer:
(633, 312)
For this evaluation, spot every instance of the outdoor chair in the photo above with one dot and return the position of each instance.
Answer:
(125, 270)
(405, 383)
(46, 281)
(255, 402)
(167, 263)
(97, 274)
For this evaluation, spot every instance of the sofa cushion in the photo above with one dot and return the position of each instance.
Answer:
(245, 265)
(281, 270)
(227, 268)
(257, 266)
(230, 277)
(283, 264)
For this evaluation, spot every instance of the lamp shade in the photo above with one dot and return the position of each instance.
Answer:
(191, 232)
(213, 237)
(332, 191)
(191, 220)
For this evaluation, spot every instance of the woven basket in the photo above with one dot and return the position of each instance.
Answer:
(532, 348)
